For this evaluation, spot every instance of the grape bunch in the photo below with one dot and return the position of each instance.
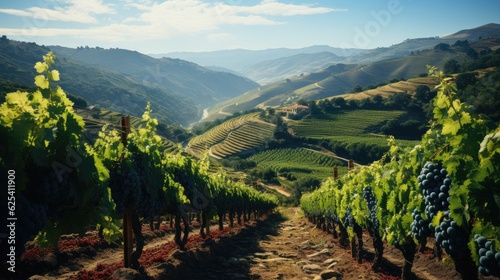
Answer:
(125, 184)
(435, 184)
(372, 206)
(149, 207)
(32, 219)
(489, 261)
(420, 228)
(349, 219)
(450, 236)
(54, 190)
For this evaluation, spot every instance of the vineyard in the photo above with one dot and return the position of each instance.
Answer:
(408, 86)
(235, 136)
(60, 184)
(347, 126)
(442, 194)
(299, 162)
(249, 136)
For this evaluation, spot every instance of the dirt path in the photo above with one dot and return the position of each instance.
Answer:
(287, 246)
(279, 189)
(283, 246)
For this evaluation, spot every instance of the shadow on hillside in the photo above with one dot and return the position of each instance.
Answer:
(225, 258)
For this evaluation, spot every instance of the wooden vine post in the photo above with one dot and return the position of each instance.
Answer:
(128, 234)
(335, 173)
(350, 165)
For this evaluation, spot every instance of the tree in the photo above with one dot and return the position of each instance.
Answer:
(302, 102)
(313, 107)
(339, 102)
(442, 47)
(326, 106)
(422, 93)
(268, 174)
(451, 67)
(356, 88)
(465, 79)
(377, 101)
(353, 104)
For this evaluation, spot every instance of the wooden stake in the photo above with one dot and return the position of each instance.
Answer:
(128, 239)
(335, 173)
(128, 234)
(350, 165)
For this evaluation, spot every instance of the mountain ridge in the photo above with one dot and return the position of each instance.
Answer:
(107, 89)
(204, 86)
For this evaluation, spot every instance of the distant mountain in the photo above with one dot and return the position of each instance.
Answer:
(240, 58)
(420, 44)
(98, 86)
(336, 79)
(475, 34)
(282, 92)
(265, 66)
(223, 69)
(287, 67)
(206, 87)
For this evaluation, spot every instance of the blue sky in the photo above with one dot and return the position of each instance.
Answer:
(164, 26)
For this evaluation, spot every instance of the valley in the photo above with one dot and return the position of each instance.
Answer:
(304, 163)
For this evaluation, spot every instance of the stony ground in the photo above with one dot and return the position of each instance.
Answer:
(286, 246)
(283, 246)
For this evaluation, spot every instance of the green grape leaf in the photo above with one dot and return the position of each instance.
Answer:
(436, 220)
(391, 202)
(457, 210)
(86, 187)
(450, 127)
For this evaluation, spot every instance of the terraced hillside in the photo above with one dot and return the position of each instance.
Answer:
(237, 135)
(408, 86)
(244, 139)
(346, 126)
(299, 162)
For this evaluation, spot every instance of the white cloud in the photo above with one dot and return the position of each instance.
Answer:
(274, 8)
(19, 13)
(67, 10)
(157, 20)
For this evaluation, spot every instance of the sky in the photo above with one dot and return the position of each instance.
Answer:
(163, 26)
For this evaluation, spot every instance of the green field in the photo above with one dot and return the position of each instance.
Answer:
(299, 162)
(347, 126)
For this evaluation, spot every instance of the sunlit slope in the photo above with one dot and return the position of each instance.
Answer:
(235, 136)
(346, 126)
(336, 79)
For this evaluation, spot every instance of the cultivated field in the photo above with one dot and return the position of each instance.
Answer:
(347, 126)
(237, 135)
(299, 162)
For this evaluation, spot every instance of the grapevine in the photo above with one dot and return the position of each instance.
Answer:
(447, 187)
(63, 184)
(60, 187)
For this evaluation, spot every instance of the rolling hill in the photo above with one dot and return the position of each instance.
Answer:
(286, 67)
(240, 58)
(270, 65)
(336, 79)
(98, 86)
(240, 135)
(422, 44)
(204, 86)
